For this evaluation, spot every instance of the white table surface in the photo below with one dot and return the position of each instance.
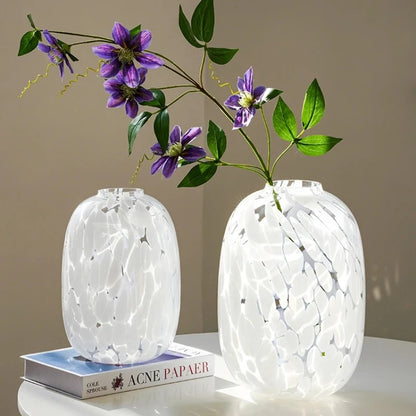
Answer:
(384, 383)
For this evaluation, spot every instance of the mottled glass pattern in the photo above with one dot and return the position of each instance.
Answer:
(120, 278)
(292, 291)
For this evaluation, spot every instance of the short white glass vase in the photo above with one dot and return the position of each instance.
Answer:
(291, 299)
(120, 278)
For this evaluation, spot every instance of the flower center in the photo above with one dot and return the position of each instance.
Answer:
(246, 99)
(56, 56)
(125, 56)
(127, 91)
(175, 150)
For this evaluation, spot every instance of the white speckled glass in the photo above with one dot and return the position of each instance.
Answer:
(291, 296)
(120, 278)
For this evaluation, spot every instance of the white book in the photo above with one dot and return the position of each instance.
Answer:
(66, 371)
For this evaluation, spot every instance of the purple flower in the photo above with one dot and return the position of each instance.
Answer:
(179, 148)
(127, 89)
(55, 52)
(245, 100)
(130, 48)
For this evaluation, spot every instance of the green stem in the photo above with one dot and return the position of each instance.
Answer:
(169, 87)
(267, 175)
(236, 165)
(201, 69)
(84, 43)
(285, 151)
(276, 201)
(175, 100)
(182, 73)
(179, 70)
(280, 156)
(266, 126)
(81, 35)
(250, 168)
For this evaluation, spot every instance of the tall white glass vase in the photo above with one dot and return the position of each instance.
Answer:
(120, 278)
(291, 297)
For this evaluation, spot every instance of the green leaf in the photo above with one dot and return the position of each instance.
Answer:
(29, 41)
(32, 23)
(158, 101)
(186, 30)
(284, 121)
(269, 94)
(203, 20)
(72, 57)
(221, 56)
(67, 49)
(313, 105)
(216, 140)
(136, 30)
(198, 175)
(316, 145)
(135, 125)
(161, 129)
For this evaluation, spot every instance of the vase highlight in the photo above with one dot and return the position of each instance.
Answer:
(120, 278)
(291, 296)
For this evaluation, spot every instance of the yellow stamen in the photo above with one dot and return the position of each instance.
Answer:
(246, 99)
(175, 149)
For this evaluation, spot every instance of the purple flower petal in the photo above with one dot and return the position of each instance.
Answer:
(193, 153)
(232, 102)
(51, 39)
(44, 48)
(142, 40)
(258, 92)
(68, 64)
(110, 69)
(243, 117)
(157, 149)
(141, 73)
(149, 60)
(120, 34)
(61, 69)
(130, 76)
(142, 94)
(175, 135)
(240, 84)
(190, 135)
(248, 80)
(105, 51)
(170, 167)
(158, 164)
(115, 101)
(132, 108)
(112, 85)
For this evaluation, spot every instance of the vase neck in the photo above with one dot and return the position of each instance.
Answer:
(118, 193)
(296, 186)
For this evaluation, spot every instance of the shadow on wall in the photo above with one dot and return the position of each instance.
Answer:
(382, 282)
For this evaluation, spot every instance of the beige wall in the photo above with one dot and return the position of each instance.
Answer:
(55, 151)
(363, 53)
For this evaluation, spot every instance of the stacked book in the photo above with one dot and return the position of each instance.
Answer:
(64, 370)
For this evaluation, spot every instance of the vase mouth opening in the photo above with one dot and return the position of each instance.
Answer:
(120, 192)
(295, 185)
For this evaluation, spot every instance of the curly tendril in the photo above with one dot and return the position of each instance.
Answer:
(84, 75)
(215, 78)
(38, 77)
(139, 164)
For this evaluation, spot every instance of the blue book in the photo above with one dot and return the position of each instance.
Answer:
(66, 371)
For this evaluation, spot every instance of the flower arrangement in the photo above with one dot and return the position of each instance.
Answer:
(125, 59)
